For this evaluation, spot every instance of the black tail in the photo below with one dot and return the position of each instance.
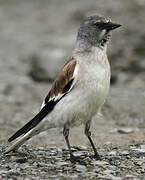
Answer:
(36, 120)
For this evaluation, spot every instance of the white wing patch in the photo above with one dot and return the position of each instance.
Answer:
(75, 75)
(61, 94)
(56, 97)
(43, 104)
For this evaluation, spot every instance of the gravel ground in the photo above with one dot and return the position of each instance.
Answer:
(117, 163)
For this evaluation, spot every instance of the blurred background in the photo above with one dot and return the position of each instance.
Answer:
(37, 37)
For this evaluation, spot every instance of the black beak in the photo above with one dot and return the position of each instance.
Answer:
(109, 26)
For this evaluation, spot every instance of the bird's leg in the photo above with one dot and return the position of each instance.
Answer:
(88, 134)
(66, 134)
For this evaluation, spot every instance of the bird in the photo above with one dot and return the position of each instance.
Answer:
(80, 88)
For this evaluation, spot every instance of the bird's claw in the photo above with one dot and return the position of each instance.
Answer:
(96, 157)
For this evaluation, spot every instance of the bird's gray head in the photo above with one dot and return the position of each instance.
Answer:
(96, 30)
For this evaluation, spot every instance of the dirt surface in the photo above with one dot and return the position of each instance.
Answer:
(36, 39)
(54, 163)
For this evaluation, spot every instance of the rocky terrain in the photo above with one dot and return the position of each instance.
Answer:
(36, 38)
(54, 163)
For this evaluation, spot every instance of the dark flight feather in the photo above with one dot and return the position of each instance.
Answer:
(62, 84)
(36, 120)
(39, 117)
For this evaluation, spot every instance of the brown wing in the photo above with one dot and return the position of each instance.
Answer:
(59, 89)
(63, 79)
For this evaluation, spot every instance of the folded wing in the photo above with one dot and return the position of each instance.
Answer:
(64, 82)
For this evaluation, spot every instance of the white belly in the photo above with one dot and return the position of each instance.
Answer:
(78, 106)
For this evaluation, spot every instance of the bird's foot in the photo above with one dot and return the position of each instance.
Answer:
(96, 156)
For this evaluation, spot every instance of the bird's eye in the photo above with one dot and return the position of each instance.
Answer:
(105, 21)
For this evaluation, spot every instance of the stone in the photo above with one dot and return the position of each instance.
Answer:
(80, 168)
(125, 130)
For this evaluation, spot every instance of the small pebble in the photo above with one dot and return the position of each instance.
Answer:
(125, 130)
(138, 150)
(142, 146)
(125, 153)
(80, 168)
(62, 163)
(100, 163)
(113, 153)
(84, 148)
(21, 160)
